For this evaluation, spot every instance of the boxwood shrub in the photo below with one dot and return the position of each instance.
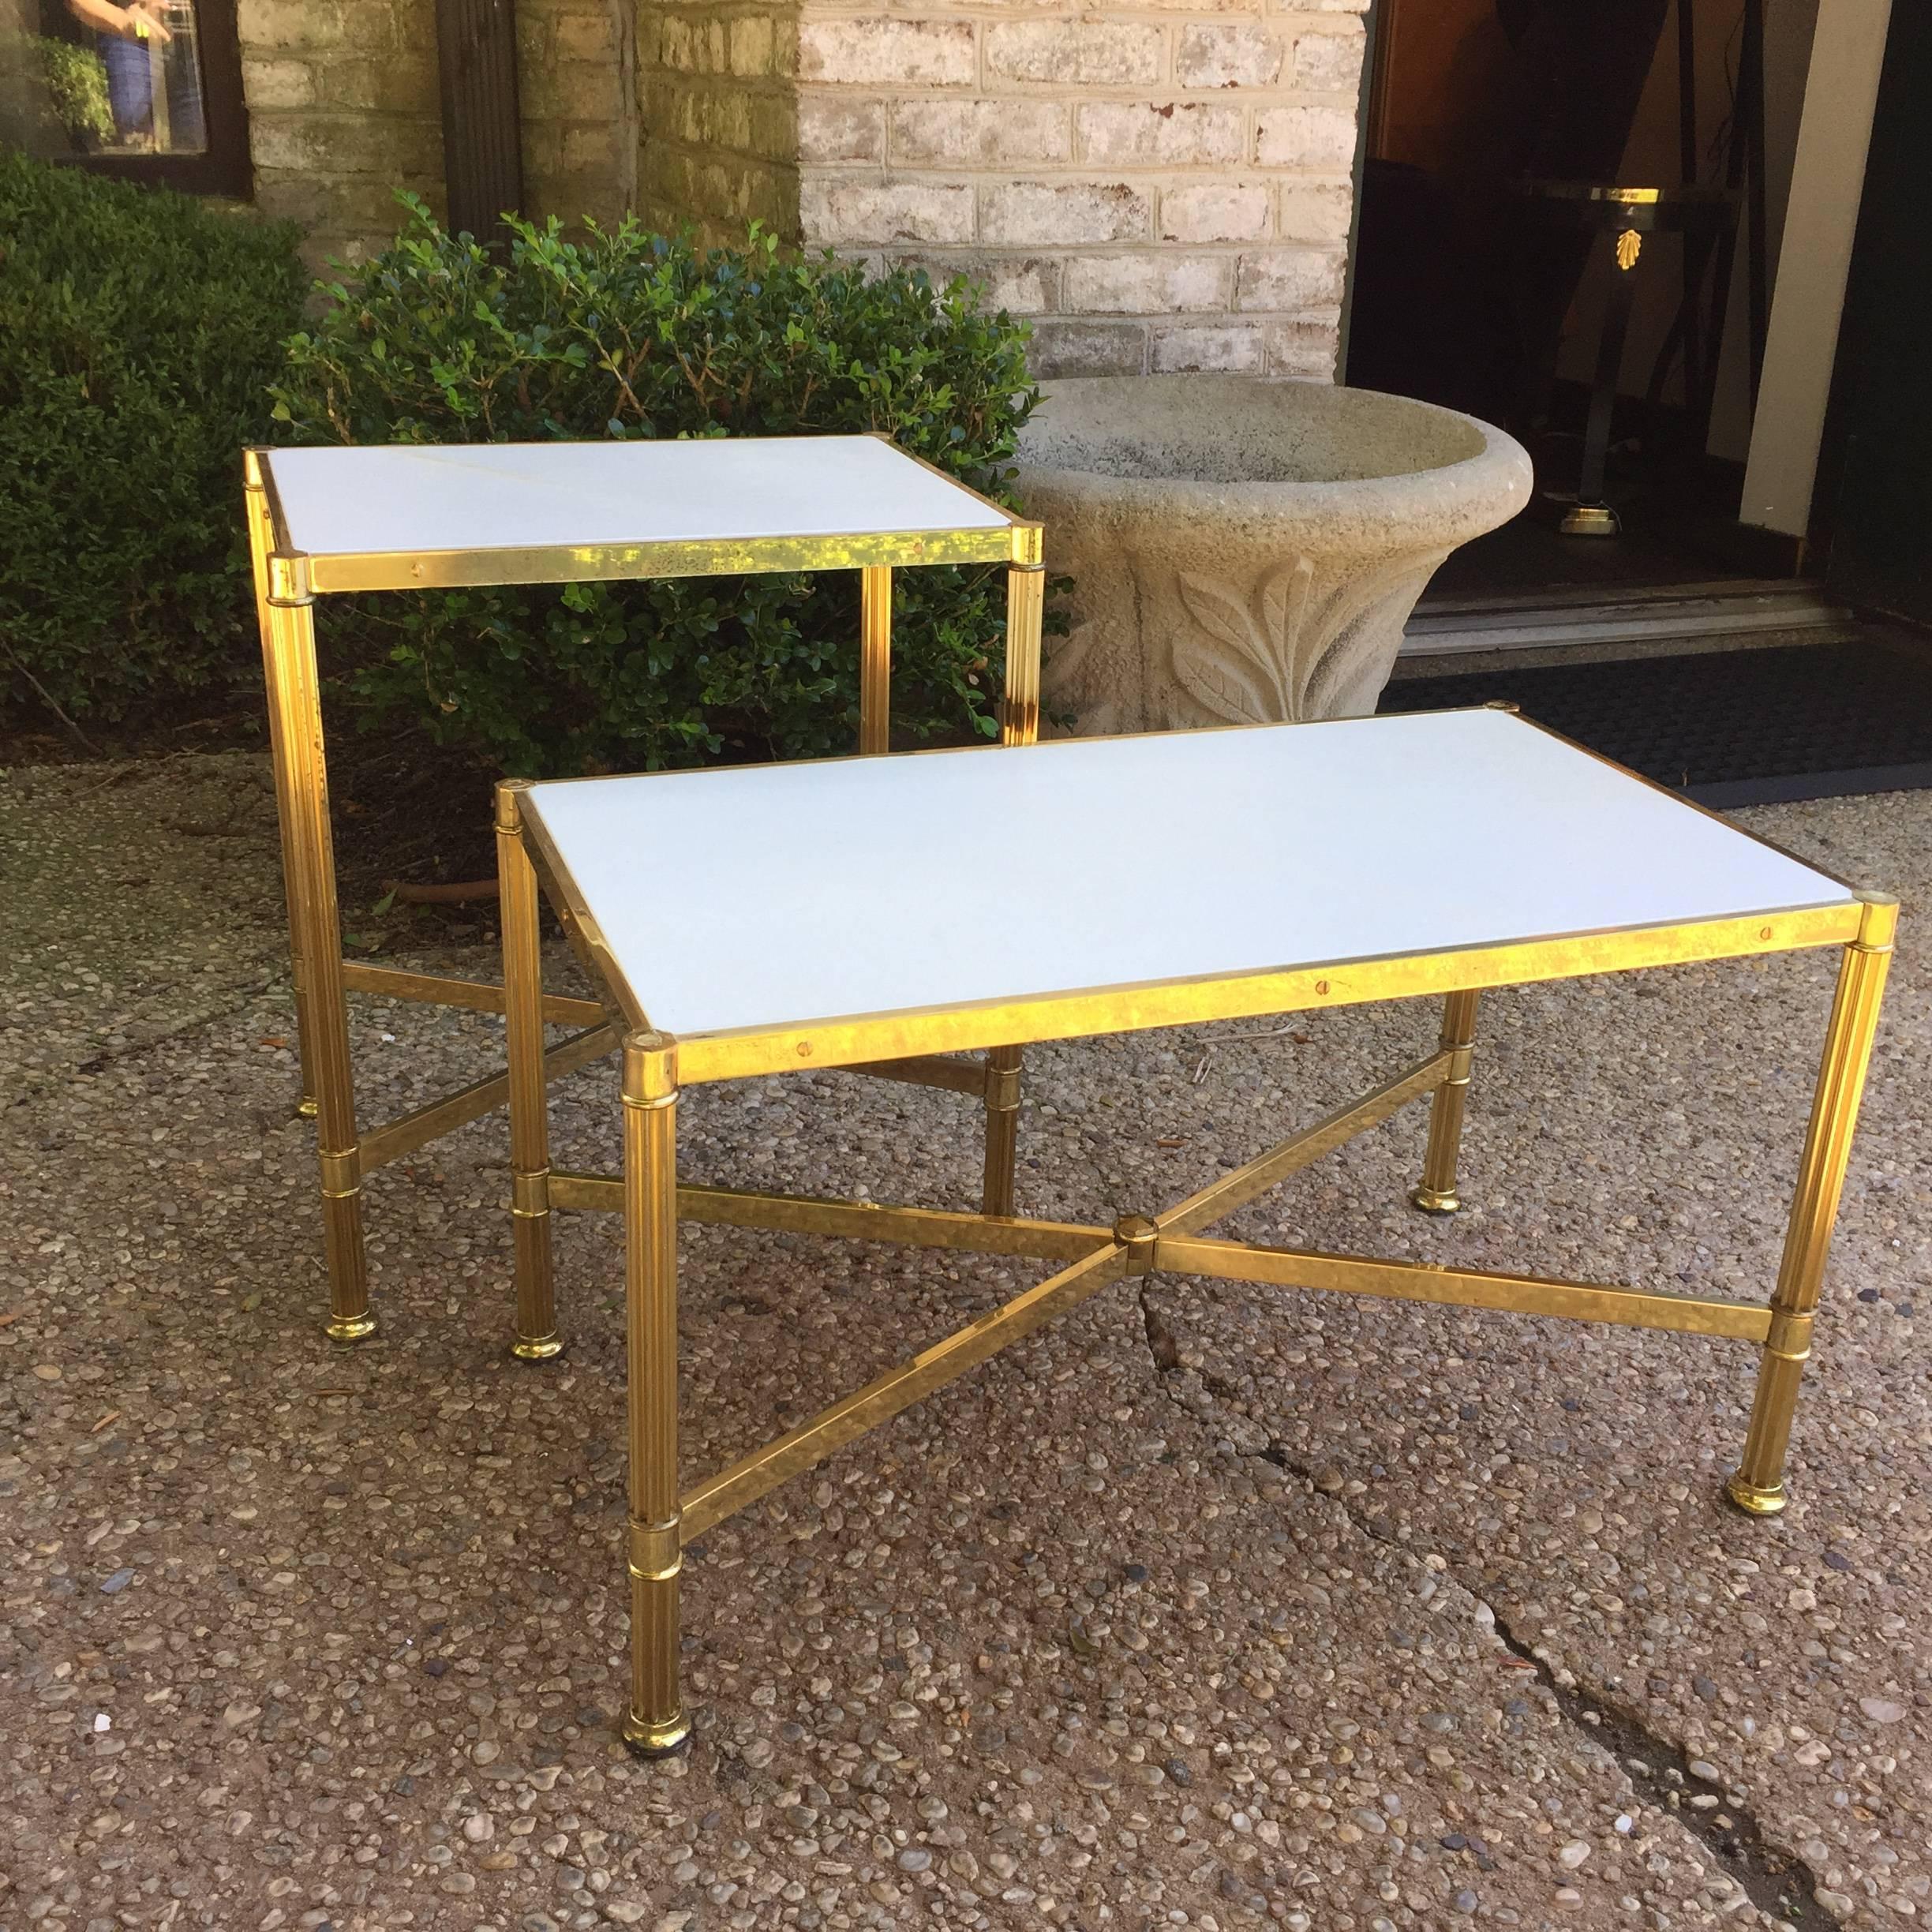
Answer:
(139, 332)
(629, 335)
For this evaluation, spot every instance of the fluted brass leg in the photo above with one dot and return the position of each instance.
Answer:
(1757, 1484)
(656, 1723)
(294, 694)
(874, 658)
(261, 540)
(536, 1338)
(1437, 1194)
(1002, 1129)
(1026, 590)
(1026, 604)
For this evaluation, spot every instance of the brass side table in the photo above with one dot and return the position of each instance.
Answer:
(729, 958)
(326, 521)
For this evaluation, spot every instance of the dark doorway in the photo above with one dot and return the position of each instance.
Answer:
(1487, 271)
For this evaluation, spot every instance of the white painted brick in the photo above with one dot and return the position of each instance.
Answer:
(1079, 348)
(1077, 53)
(278, 83)
(1245, 54)
(1315, 211)
(1289, 279)
(832, 127)
(1301, 346)
(1154, 282)
(753, 44)
(1332, 61)
(1216, 211)
(881, 51)
(1021, 284)
(1061, 213)
(1233, 346)
(845, 212)
(1305, 137)
(1173, 134)
(940, 132)
(586, 36)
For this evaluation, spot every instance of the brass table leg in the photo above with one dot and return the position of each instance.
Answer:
(874, 658)
(1757, 1484)
(294, 694)
(656, 1723)
(261, 541)
(1002, 1129)
(536, 1338)
(1026, 592)
(1437, 1194)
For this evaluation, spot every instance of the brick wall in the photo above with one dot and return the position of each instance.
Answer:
(342, 109)
(345, 106)
(719, 114)
(576, 76)
(1161, 186)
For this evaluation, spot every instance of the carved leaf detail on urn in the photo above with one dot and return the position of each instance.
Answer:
(1240, 661)
(1224, 663)
(1272, 657)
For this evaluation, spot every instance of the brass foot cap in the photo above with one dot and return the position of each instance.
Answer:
(536, 1348)
(305, 1107)
(659, 1740)
(1591, 520)
(1433, 1201)
(352, 1328)
(1754, 1501)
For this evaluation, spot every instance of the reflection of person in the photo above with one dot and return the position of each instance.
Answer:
(123, 36)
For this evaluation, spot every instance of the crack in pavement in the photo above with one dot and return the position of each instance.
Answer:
(1779, 1882)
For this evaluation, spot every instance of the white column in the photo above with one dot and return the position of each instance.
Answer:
(1828, 178)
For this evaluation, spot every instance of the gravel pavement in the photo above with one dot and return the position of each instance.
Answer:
(1210, 1606)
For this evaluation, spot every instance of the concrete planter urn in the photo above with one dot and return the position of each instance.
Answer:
(1246, 551)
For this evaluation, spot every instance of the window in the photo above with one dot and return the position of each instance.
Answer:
(151, 91)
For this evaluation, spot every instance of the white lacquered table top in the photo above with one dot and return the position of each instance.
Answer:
(411, 500)
(768, 896)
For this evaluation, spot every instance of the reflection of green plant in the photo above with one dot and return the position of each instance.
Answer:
(77, 86)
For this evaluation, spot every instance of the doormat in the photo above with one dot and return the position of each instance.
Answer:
(1730, 727)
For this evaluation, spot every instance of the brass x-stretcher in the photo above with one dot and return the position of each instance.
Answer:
(663, 1519)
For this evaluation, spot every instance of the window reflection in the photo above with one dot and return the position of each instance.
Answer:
(124, 79)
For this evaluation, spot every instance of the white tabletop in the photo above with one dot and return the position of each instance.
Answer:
(406, 500)
(771, 896)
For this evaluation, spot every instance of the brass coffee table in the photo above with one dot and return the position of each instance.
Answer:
(328, 522)
(745, 923)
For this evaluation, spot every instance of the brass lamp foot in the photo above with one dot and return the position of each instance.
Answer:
(305, 1107)
(659, 1740)
(1753, 1500)
(1435, 1200)
(1591, 520)
(351, 1327)
(536, 1348)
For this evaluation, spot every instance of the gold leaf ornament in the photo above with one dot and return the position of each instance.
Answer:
(1629, 246)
